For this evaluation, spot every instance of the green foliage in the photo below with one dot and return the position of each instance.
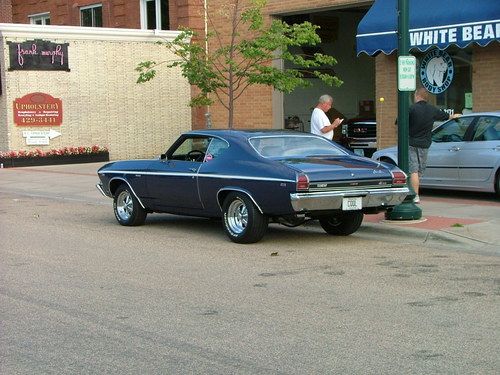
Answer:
(231, 67)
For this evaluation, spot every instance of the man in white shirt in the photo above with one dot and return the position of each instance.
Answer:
(320, 124)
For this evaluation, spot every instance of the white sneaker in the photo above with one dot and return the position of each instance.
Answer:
(416, 199)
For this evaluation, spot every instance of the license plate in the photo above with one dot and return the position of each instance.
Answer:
(352, 203)
(359, 151)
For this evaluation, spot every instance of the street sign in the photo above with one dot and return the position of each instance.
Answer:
(39, 137)
(407, 73)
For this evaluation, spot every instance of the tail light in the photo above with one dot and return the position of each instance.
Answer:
(398, 178)
(302, 182)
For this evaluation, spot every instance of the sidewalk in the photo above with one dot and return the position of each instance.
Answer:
(469, 224)
(459, 222)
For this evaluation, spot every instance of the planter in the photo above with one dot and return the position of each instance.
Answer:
(53, 160)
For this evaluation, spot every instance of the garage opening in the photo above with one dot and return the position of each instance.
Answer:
(356, 97)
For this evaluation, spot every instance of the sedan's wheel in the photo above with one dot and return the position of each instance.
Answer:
(342, 224)
(243, 222)
(388, 160)
(497, 183)
(127, 208)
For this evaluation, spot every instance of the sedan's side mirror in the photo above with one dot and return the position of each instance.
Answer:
(163, 157)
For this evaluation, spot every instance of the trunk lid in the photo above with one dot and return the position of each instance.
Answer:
(341, 171)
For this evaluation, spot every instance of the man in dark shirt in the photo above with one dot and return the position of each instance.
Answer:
(421, 119)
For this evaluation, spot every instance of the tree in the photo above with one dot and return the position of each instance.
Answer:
(244, 59)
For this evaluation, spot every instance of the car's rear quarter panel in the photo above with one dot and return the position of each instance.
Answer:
(268, 182)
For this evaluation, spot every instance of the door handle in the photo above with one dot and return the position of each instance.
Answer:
(454, 149)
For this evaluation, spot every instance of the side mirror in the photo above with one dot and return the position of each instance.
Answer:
(162, 157)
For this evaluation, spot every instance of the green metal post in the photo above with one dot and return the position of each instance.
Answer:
(407, 210)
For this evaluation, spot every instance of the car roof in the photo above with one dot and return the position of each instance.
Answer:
(493, 113)
(245, 133)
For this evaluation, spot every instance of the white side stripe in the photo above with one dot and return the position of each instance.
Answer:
(197, 175)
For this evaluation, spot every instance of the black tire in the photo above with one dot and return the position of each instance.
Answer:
(388, 160)
(342, 224)
(497, 183)
(243, 222)
(128, 210)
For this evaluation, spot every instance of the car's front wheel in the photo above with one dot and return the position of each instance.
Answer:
(128, 210)
(342, 224)
(243, 222)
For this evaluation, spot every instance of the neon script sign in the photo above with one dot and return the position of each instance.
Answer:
(38, 55)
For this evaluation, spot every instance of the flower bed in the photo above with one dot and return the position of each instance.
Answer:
(66, 155)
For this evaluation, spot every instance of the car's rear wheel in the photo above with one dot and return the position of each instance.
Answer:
(128, 210)
(342, 224)
(243, 222)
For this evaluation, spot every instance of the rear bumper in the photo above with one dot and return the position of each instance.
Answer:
(332, 200)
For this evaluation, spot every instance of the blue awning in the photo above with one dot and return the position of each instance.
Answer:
(438, 23)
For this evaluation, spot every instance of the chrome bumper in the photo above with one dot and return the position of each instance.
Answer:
(361, 144)
(101, 189)
(332, 200)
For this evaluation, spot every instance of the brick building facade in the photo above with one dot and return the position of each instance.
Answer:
(5, 11)
(260, 106)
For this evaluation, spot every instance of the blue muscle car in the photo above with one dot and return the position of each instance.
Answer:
(251, 178)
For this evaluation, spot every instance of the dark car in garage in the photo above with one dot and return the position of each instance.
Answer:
(360, 136)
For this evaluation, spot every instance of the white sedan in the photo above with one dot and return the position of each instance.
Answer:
(464, 155)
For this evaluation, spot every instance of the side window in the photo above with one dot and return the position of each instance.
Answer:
(91, 15)
(40, 19)
(487, 129)
(216, 149)
(154, 14)
(452, 131)
(191, 149)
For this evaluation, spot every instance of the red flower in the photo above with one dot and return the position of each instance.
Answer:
(69, 150)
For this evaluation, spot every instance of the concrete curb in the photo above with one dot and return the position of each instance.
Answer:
(432, 238)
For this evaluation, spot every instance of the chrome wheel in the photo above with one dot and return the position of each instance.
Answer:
(237, 216)
(128, 210)
(124, 205)
(243, 222)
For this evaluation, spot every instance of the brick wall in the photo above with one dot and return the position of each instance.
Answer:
(116, 13)
(485, 77)
(296, 6)
(102, 103)
(5, 11)
(386, 110)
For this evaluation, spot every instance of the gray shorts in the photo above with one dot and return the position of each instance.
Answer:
(417, 159)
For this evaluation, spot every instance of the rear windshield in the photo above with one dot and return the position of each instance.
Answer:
(290, 146)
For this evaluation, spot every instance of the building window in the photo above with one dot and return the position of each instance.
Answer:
(91, 15)
(40, 19)
(455, 98)
(154, 14)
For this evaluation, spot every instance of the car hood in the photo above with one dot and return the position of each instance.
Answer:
(339, 168)
(127, 165)
(385, 151)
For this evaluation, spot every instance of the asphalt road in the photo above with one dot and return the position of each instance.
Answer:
(80, 294)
